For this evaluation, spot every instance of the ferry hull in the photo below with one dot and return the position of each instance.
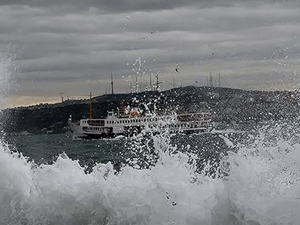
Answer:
(94, 136)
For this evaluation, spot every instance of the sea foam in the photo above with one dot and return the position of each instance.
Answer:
(257, 184)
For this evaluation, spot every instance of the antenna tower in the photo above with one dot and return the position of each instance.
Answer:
(112, 83)
(173, 81)
(157, 81)
(90, 109)
(136, 84)
(150, 89)
(210, 80)
(62, 97)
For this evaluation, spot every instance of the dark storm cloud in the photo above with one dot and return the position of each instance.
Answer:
(108, 6)
(114, 6)
(73, 46)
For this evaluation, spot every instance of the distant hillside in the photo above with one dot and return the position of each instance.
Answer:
(228, 106)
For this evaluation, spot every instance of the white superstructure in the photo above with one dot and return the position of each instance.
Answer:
(134, 122)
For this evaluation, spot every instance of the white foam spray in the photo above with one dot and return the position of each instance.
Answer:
(8, 70)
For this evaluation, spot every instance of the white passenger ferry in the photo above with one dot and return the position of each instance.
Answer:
(134, 122)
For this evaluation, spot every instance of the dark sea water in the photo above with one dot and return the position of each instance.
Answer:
(220, 178)
(45, 148)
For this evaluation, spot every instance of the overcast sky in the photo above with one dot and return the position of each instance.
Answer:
(72, 46)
